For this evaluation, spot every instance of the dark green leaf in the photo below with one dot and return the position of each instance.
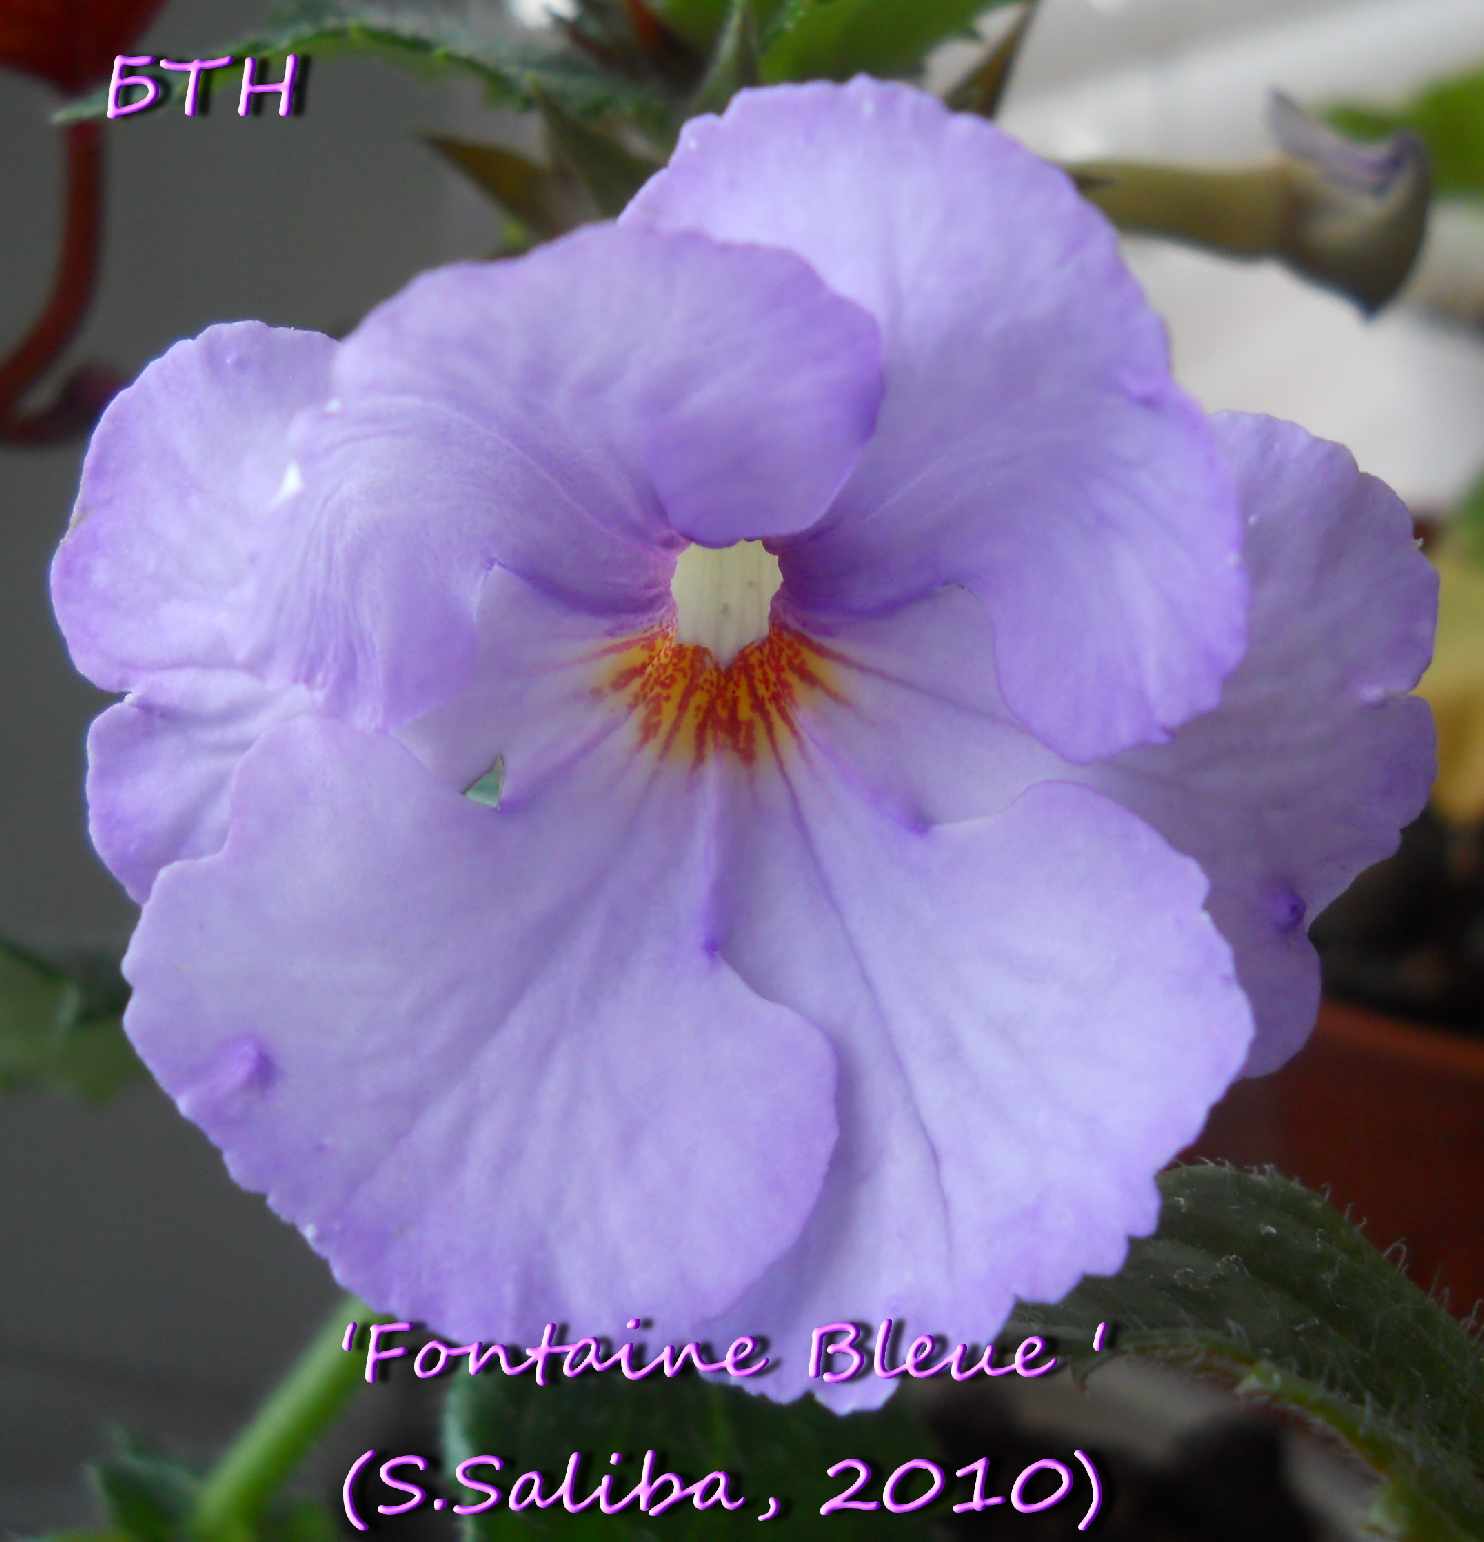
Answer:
(735, 64)
(983, 89)
(1447, 116)
(835, 39)
(112, 1534)
(302, 1521)
(695, 1427)
(428, 39)
(1253, 1274)
(701, 22)
(147, 1495)
(610, 172)
(61, 1028)
(521, 187)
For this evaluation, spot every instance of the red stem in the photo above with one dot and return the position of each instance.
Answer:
(76, 272)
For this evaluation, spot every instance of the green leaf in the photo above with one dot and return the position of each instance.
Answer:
(695, 1427)
(62, 1029)
(303, 1521)
(112, 1534)
(1448, 116)
(1468, 522)
(983, 89)
(835, 39)
(735, 63)
(149, 1497)
(144, 1493)
(426, 39)
(1252, 1274)
(610, 172)
(701, 22)
(519, 186)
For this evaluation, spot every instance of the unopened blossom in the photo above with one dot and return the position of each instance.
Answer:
(758, 765)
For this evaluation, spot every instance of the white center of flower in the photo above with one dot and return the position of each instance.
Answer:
(723, 598)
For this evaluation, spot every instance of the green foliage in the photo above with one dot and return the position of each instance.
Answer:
(62, 1029)
(736, 61)
(1448, 116)
(531, 195)
(983, 88)
(695, 1427)
(147, 1495)
(700, 22)
(426, 39)
(835, 39)
(610, 172)
(1468, 523)
(1255, 1275)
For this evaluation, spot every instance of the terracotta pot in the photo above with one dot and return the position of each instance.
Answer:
(1388, 1114)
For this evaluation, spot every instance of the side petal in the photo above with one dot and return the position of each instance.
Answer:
(1317, 756)
(669, 384)
(489, 1061)
(915, 719)
(1032, 444)
(1031, 1013)
(160, 766)
(175, 510)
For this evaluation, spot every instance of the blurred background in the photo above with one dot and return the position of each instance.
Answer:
(138, 1285)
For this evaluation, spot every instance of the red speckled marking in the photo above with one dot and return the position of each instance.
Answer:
(685, 705)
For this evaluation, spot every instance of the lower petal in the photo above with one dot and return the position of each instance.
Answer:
(1032, 1013)
(488, 1060)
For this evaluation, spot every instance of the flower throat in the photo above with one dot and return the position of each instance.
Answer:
(722, 679)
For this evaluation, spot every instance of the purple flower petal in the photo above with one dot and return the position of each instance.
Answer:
(1032, 444)
(160, 766)
(1317, 756)
(917, 722)
(489, 1060)
(175, 510)
(1299, 780)
(1032, 1014)
(646, 375)
(796, 982)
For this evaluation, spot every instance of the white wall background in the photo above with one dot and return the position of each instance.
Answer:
(1188, 80)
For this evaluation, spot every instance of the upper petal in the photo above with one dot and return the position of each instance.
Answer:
(1317, 756)
(1032, 444)
(489, 1060)
(670, 384)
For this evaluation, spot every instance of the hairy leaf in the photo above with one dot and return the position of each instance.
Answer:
(1253, 1274)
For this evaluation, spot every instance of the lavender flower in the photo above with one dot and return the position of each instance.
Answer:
(692, 773)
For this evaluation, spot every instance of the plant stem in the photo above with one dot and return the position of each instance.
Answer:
(76, 272)
(282, 1432)
(1245, 211)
